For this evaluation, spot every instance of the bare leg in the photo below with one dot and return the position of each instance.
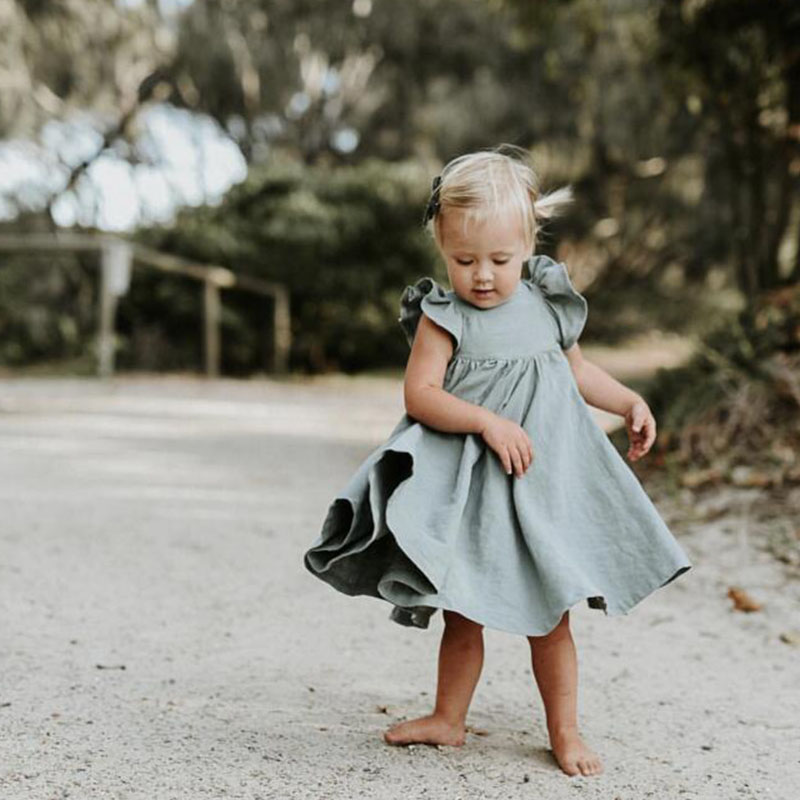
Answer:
(555, 667)
(460, 664)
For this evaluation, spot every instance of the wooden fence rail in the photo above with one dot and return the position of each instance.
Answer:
(118, 256)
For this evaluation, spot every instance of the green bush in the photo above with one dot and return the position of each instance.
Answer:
(345, 241)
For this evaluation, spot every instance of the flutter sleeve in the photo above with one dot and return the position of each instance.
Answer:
(427, 297)
(568, 307)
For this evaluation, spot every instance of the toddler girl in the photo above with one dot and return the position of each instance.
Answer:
(497, 497)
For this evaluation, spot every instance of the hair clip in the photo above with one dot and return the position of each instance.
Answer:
(433, 203)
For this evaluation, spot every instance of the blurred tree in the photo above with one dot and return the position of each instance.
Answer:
(641, 225)
(58, 58)
(348, 80)
(737, 64)
(691, 113)
(324, 80)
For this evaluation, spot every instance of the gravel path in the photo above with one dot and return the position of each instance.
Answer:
(160, 638)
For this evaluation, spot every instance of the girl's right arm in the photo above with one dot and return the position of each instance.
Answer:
(427, 402)
(425, 399)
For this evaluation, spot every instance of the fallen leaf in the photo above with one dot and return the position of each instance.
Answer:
(712, 513)
(792, 637)
(743, 475)
(742, 600)
(696, 478)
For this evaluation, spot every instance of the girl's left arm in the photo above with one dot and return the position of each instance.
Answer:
(601, 390)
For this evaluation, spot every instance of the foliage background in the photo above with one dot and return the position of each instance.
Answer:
(677, 123)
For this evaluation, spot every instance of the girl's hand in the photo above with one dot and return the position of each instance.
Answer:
(511, 443)
(641, 426)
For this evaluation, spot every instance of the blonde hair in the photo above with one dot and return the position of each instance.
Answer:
(493, 181)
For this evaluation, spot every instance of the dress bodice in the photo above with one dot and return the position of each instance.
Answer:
(519, 327)
(545, 311)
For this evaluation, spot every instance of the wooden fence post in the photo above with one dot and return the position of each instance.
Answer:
(282, 330)
(116, 258)
(211, 323)
(105, 334)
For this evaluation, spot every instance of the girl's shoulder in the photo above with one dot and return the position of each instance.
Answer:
(568, 306)
(428, 297)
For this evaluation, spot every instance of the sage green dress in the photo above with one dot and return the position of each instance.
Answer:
(431, 519)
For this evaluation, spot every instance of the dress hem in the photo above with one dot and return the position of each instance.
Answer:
(400, 613)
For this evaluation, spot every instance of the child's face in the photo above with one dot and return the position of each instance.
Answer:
(486, 255)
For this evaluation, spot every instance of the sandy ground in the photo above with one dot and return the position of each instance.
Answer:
(160, 637)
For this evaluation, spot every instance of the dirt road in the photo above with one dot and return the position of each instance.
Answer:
(160, 638)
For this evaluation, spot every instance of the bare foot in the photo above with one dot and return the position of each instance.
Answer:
(426, 730)
(573, 754)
